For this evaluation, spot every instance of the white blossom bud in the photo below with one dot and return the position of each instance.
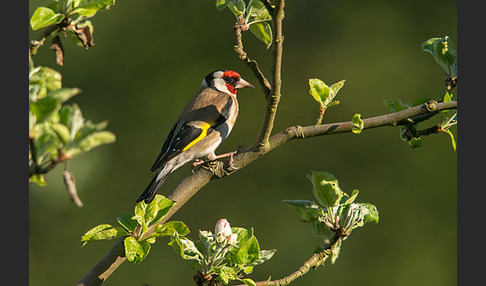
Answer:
(222, 230)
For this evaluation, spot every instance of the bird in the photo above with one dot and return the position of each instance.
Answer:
(204, 123)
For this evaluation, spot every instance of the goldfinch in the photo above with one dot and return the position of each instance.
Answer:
(201, 127)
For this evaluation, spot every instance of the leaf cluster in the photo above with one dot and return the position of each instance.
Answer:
(444, 53)
(335, 214)
(134, 226)
(253, 17)
(57, 131)
(223, 261)
(324, 95)
(67, 16)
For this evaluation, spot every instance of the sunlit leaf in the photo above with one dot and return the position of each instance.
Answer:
(38, 179)
(325, 188)
(373, 214)
(62, 132)
(44, 17)
(453, 141)
(249, 252)
(102, 232)
(135, 251)
(94, 140)
(263, 32)
(171, 227)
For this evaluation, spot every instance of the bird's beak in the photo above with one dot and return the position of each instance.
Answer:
(242, 84)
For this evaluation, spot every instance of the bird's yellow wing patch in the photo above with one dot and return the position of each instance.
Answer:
(204, 127)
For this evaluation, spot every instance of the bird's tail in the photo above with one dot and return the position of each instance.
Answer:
(149, 194)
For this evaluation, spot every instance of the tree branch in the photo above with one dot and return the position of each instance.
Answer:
(274, 98)
(189, 186)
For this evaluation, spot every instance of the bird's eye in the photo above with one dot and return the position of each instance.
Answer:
(230, 80)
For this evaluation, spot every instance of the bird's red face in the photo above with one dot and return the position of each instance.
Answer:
(233, 81)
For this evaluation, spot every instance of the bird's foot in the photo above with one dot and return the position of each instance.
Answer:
(230, 160)
(197, 162)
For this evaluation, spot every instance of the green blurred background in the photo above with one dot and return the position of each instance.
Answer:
(148, 61)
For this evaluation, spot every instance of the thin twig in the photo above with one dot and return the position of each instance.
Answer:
(252, 64)
(316, 260)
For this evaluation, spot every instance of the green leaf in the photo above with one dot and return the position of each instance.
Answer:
(226, 273)
(257, 12)
(163, 206)
(70, 115)
(186, 248)
(263, 32)
(307, 210)
(453, 141)
(134, 251)
(127, 222)
(63, 94)
(44, 17)
(43, 108)
(324, 94)
(249, 252)
(171, 227)
(94, 140)
(89, 7)
(221, 4)
(102, 232)
(43, 79)
(151, 211)
(38, 179)
(243, 236)
(62, 132)
(358, 124)
(373, 214)
(349, 199)
(325, 188)
(139, 211)
(237, 7)
(46, 143)
(319, 90)
(265, 255)
(444, 53)
(336, 87)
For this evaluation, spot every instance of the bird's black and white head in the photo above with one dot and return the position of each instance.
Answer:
(226, 81)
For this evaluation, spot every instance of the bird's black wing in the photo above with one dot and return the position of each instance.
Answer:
(192, 132)
(175, 144)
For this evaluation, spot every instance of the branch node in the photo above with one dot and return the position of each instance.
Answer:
(431, 105)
